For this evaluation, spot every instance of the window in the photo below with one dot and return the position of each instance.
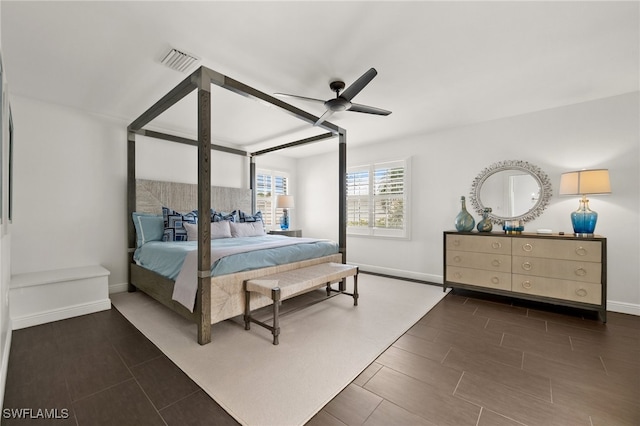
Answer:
(270, 184)
(377, 199)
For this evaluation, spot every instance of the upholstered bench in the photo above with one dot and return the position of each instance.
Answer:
(283, 285)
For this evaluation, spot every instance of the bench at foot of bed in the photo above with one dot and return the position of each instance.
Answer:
(292, 283)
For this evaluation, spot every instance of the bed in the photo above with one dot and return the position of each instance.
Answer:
(218, 295)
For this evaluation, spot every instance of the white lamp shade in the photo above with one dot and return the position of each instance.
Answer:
(585, 182)
(284, 202)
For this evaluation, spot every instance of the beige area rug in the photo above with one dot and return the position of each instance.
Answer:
(322, 348)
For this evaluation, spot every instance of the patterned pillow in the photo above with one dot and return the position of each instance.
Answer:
(173, 224)
(245, 217)
(220, 216)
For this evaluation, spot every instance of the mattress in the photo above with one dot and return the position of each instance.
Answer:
(231, 255)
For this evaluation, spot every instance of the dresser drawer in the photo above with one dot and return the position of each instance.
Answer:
(558, 289)
(479, 277)
(586, 251)
(553, 268)
(482, 244)
(486, 261)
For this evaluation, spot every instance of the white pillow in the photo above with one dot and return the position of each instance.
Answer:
(247, 229)
(218, 230)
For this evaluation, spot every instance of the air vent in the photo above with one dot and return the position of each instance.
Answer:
(179, 61)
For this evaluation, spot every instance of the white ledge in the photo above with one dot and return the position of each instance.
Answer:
(30, 279)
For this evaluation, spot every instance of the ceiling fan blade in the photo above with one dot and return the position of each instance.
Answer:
(359, 84)
(368, 109)
(328, 113)
(299, 97)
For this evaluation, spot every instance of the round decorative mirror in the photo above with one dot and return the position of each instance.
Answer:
(512, 189)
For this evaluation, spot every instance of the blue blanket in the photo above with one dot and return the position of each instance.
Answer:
(166, 258)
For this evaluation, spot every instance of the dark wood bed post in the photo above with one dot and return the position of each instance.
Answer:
(203, 297)
(252, 180)
(131, 200)
(342, 202)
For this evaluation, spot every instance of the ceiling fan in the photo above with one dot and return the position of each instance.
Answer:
(342, 101)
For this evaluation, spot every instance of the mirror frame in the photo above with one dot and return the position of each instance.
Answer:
(540, 176)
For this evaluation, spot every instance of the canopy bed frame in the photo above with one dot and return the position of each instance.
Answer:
(202, 80)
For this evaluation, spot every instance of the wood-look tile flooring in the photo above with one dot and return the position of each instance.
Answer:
(472, 360)
(485, 360)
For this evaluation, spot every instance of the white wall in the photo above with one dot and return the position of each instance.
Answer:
(70, 207)
(603, 134)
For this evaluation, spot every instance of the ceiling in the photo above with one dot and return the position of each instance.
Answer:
(440, 64)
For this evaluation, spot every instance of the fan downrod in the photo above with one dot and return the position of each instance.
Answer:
(337, 86)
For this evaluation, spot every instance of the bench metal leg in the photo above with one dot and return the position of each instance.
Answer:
(275, 295)
(247, 308)
(355, 289)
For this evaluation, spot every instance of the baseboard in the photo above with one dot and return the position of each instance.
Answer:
(623, 307)
(118, 288)
(60, 314)
(419, 276)
(5, 363)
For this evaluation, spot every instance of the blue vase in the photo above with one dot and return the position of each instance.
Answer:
(485, 224)
(584, 220)
(464, 221)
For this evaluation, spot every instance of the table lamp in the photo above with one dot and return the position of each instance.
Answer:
(585, 182)
(284, 202)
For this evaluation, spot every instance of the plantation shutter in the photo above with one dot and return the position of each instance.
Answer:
(377, 199)
(268, 186)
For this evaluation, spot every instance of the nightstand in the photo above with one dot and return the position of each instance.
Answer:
(287, 232)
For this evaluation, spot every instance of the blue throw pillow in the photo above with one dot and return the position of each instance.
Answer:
(148, 227)
(174, 229)
(220, 216)
(245, 217)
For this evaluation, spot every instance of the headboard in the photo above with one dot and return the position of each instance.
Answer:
(152, 195)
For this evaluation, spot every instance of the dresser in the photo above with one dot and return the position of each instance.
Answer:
(558, 269)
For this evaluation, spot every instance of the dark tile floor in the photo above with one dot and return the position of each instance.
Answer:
(473, 360)
(484, 360)
(99, 369)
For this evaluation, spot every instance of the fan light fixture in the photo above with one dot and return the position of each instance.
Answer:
(342, 101)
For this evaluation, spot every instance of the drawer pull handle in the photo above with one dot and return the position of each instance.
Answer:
(527, 266)
(457, 259)
(526, 284)
(496, 245)
(581, 292)
(581, 251)
(495, 280)
(456, 242)
(581, 272)
(496, 262)
(458, 275)
(527, 247)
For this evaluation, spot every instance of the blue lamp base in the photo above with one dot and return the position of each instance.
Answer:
(284, 220)
(584, 220)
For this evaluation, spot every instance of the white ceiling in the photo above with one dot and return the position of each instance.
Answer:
(440, 64)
